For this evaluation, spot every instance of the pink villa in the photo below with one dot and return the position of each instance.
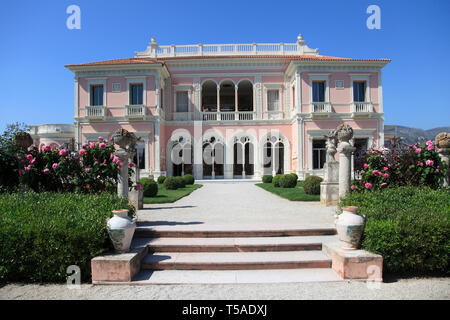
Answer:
(230, 111)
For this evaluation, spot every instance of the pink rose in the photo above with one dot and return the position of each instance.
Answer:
(430, 147)
(102, 145)
(28, 168)
(46, 171)
(101, 138)
(379, 173)
(115, 159)
(46, 148)
(91, 145)
(362, 172)
(131, 164)
(429, 143)
(418, 150)
(82, 152)
(55, 166)
(421, 164)
(436, 171)
(29, 156)
(366, 165)
(87, 170)
(429, 162)
(386, 175)
(139, 186)
(352, 187)
(385, 169)
(84, 145)
(384, 184)
(119, 167)
(375, 172)
(368, 185)
(32, 161)
(63, 152)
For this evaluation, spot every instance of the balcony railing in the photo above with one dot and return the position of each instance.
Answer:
(361, 107)
(135, 112)
(320, 107)
(273, 115)
(95, 112)
(215, 116)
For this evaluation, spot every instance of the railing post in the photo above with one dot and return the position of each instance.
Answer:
(200, 49)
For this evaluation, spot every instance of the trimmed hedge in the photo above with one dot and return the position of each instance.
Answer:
(276, 180)
(312, 185)
(288, 181)
(42, 234)
(171, 183)
(180, 182)
(408, 226)
(161, 179)
(149, 186)
(188, 179)
(267, 178)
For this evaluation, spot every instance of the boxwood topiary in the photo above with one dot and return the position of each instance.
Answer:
(188, 179)
(149, 186)
(171, 183)
(161, 179)
(180, 181)
(288, 181)
(267, 178)
(312, 185)
(294, 175)
(276, 180)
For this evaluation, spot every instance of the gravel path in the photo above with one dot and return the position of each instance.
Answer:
(431, 288)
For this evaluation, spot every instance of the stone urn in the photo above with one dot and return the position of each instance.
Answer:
(121, 230)
(350, 226)
(23, 140)
(344, 132)
(122, 138)
(442, 140)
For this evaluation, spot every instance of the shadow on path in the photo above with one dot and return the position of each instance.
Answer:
(166, 223)
(165, 208)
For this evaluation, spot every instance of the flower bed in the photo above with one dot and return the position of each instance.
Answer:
(42, 234)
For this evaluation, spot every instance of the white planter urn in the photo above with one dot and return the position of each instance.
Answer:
(121, 230)
(350, 226)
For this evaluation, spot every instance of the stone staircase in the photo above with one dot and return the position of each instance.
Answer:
(197, 253)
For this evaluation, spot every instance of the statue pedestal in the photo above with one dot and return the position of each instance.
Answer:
(329, 188)
(136, 199)
(345, 165)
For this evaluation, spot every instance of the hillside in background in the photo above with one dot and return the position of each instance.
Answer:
(413, 135)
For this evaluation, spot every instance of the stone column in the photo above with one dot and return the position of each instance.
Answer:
(122, 181)
(442, 144)
(329, 188)
(236, 102)
(344, 134)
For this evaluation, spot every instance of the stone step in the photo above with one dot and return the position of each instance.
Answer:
(243, 244)
(146, 230)
(150, 277)
(235, 260)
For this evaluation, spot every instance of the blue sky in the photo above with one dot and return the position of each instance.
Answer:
(35, 87)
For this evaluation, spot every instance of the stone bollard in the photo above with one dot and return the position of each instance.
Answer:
(345, 133)
(442, 143)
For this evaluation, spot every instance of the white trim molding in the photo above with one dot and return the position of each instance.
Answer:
(137, 80)
(96, 81)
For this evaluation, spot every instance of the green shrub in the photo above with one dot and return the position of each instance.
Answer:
(188, 179)
(294, 175)
(276, 180)
(171, 183)
(312, 185)
(267, 178)
(161, 179)
(43, 234)
(288, 181)
(408, 226)
(149, 186)
(180, 182)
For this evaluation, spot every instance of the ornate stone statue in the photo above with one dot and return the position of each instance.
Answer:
(331, 144)
(344, 132)
(442, 140)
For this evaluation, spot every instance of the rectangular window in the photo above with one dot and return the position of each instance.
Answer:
(319, 154)
(97, 95)
(273, 100)
(139, 158)
(318, 91)
(359, 91)
(182, 101)
(136, 94)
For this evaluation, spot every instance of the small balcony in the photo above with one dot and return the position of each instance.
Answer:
(95, 112)
(135, 112)
(321, 109)
(361, 109)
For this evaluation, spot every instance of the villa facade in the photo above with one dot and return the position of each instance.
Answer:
(230, 110)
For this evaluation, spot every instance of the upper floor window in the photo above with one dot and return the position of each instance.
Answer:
(359, 91)
(273, 100)
(136, 93)
(97, 95)
(319, 153)
(318, 91)
(182, 101)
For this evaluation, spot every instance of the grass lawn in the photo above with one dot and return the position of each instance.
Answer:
(293, 194)
(169, 196)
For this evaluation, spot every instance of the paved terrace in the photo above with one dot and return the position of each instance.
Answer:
(236, 205)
